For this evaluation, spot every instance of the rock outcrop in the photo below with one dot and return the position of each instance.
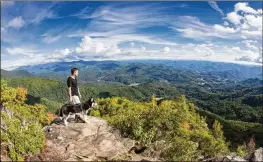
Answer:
(88, 142)
(257, 155)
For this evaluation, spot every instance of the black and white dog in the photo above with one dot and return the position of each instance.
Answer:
(81, 110)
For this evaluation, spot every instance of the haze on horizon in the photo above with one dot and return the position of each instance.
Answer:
(42, 32)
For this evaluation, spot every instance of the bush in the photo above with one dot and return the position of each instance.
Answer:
(241, 150)
(176, 122)
(21, 123)
(51, 117)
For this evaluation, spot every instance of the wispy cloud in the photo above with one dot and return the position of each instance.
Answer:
(22, 51)
(214, 5)
(241, 25)
(17, 22)
(117, 16)
(51, 39)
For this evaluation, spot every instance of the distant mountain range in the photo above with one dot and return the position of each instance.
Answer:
(97, 70)
(230, 90)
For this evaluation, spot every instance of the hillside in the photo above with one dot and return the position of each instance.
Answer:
(22, 122)
(15, 73)
(154, 126)
(42, 91)
(243, 99)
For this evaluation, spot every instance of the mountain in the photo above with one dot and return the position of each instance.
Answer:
(218, 70)
(15, 73)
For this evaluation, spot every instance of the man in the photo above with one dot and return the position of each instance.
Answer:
(73, 90)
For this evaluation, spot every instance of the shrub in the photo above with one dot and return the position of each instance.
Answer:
(51, 117)
(185, 132)
(241, 150)
(21, 123)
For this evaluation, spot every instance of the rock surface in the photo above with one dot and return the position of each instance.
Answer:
(257, 155)
(231, 157)
(86, 142)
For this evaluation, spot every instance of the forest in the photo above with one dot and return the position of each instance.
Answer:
(197, 109)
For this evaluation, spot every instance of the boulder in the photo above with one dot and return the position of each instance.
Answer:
(92, 141)
(231, 157)
(257, 155)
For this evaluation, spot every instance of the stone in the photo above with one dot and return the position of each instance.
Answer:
(257, 155)
(92, 141)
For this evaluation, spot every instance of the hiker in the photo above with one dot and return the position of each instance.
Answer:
(73, 90)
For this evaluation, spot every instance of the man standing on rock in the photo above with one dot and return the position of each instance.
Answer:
(73, 90)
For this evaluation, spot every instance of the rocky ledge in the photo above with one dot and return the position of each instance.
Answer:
(87, 142)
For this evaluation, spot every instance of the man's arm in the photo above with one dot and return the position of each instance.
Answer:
(69, 94)
(69, 89)
(79, 93)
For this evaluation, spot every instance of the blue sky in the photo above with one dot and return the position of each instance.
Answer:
(42, 32)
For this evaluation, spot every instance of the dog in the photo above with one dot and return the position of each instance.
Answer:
(81, 110)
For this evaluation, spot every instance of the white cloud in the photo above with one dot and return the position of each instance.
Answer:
(234, 18)
(66, 51)
(222, 29)
(251, 34)
(237, 24)
(252, 45)
(60, 54)
(132, 44)
(22, 51)
(205, 51)
(243, 6)
(17, 22)
(89, 46)
(248, 58)
(214, 5)
(15, 63)
(166, 49)
(254, 21)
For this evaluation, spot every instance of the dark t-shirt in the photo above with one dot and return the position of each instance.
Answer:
(73, 83)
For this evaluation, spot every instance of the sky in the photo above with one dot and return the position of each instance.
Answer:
(42, 32)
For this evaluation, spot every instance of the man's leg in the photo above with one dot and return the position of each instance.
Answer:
(75, 100)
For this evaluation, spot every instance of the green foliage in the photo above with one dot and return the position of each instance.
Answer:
(188, 150)
(176, 122)
(53, 93)
(217, 129)
(237, 132)
(241, 150)
(21, 123)
(51, 105)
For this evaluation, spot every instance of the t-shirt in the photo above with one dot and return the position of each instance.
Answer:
(73, 83)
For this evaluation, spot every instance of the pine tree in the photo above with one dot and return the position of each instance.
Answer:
(217, 130)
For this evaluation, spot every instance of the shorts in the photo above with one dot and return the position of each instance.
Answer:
(75, 100)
